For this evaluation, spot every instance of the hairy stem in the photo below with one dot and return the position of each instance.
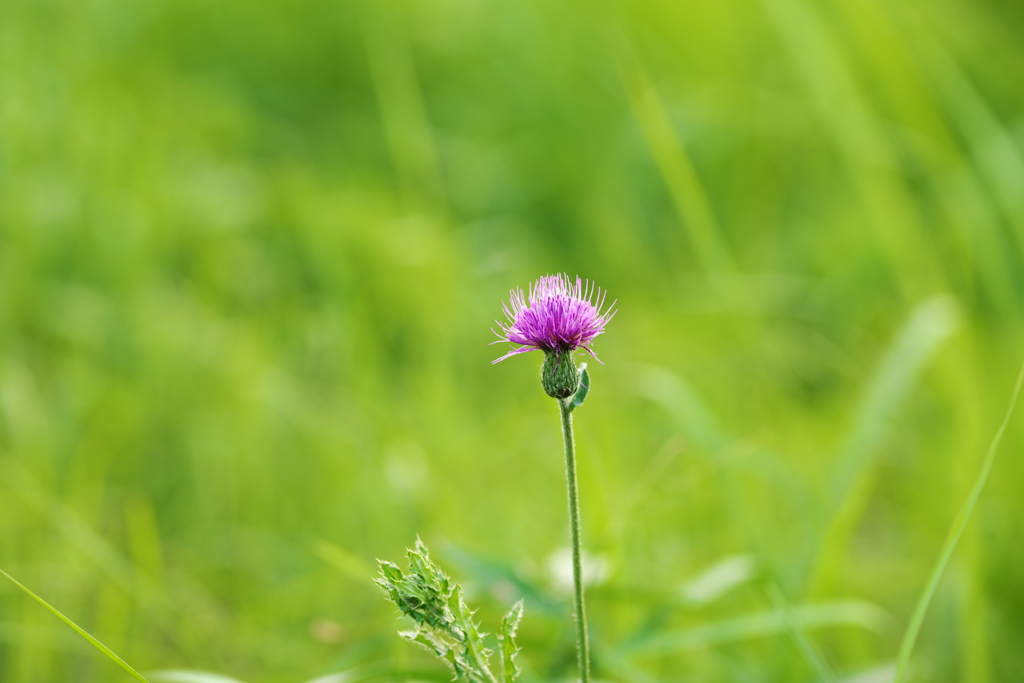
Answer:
(582, 641)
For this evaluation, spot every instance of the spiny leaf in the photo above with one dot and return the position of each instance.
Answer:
(444, 623)
(390, 570)
(507, 637)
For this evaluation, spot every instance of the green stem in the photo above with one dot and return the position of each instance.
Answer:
(582, 641)
(480, 661)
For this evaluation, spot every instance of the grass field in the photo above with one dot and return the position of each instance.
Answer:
(250, 256)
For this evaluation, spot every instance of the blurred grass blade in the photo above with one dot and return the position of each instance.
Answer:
(189, 676)
(829, 71)
(676, 167)
(404, 114)
(341, 677)
(681, 401)
(646, 483)
(992, 146)
(807, 647)
(842, 613)
(929, 326)
(339, 558)
(914, 627)
(381, 671)
(492, 573)
(878, 674)
(82, 632)
(613, 661)
(71, 526)
(719, 579)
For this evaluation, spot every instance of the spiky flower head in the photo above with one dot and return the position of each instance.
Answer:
(557, 316)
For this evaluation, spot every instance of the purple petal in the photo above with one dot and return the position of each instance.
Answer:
(523, 349)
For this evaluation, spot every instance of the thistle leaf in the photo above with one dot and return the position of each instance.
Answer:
(444, 623)
(507, 638)
(581, 393)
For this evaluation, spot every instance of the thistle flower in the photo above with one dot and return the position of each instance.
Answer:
(558, 317)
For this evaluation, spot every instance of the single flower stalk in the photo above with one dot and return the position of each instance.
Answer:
(559, 317)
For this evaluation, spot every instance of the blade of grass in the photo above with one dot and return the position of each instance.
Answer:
(380, 670)
(81, 631)
(930, 325)
(807, 647)
(150, 595)
(406, 123)
(877, 674)
(353, 567)
(672, 159)
(189, 676)
(848, 115)
(763, 625)
(959, 524)
(996, 154)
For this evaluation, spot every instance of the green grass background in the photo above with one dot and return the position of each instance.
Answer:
(250, 253)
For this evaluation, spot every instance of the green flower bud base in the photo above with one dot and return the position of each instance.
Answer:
(558, 375)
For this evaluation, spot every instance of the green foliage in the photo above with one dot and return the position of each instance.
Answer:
(250, 252)
(444, 624)
(582, 390)
(507, 638)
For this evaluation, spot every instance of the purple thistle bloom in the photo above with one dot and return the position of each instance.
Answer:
(557, 316)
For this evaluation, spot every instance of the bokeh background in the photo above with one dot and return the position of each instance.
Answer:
(250, 253)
